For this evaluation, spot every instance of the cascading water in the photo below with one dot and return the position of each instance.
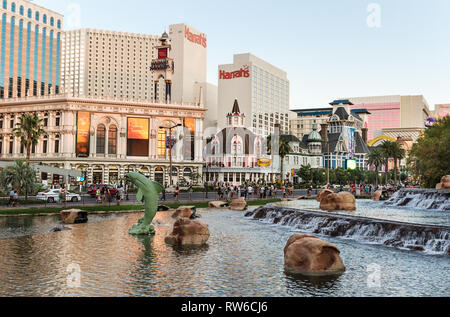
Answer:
(419, 237)
(421, 198)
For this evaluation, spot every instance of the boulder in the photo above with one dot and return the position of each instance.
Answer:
(324, 193)
(308, 255)
(74, 216)
(341, 201)
(239, 204)
(445, 183)
(217, 204)
(188, 232)
(377, 195)
(184, 212)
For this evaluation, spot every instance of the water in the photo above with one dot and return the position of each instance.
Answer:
(243, 258)
(421, 199)
(380, 210)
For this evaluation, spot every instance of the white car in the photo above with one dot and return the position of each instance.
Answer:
(52, 196)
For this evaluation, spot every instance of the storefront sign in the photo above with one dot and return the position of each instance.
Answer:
(264, 162)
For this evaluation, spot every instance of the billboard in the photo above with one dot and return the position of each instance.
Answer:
(189, 144)
(137, 137)
(83, 128)
(349, 139)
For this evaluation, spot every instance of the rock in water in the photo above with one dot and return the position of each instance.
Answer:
(185, 212)
(238, 204)
(308, 255)
(217, 204)
(74, 216)
(188, 232)
(324, 193)
(445, 183)
(59, 229)
(341, 201)
(377, 195)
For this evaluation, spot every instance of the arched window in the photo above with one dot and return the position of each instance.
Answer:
(30, 13)
(11, 145)
(21, 10)
(5, 4)
(101, 135)
(112, 140)
(58, 119)
(44, 19)
(236, 145)
(45, 145)
(52, 21)
(36, 16)
(257, 146)
(187, 172)
(13, 7)
(59, 24)
(57, 137)
(45, 121)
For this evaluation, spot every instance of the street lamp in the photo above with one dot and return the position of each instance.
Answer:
(170, 146)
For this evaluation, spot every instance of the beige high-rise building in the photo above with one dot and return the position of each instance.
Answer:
(108, 64)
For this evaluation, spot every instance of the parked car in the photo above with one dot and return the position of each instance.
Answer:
(92, 190)
(52, 196)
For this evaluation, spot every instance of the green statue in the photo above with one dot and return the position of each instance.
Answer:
(148, 192)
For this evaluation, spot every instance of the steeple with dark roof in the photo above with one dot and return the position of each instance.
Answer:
(236, 109)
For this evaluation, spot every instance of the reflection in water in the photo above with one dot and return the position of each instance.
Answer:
(243, 258)
(314, 285)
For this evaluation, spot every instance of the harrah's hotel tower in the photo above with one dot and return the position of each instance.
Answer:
(30, 50)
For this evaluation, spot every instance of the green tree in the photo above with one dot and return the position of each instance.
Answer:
(305, 173)
(283, 150)
(376, 158)
(429, 157)
(388, 149)
(21, 177)
(29, 129)
(398, 154)
(342, 176)
(319, 176)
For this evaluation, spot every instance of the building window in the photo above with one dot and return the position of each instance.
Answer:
(13, 7)
(36, 16)
(101, 135)
(52, 22)
(57, 143)
(162, 142)
(45, 145)
(44, 19)
(58, 119)
(46, 120)
(59, 24)
(11, 145)
(5, 4)
(30, 14)
(112, 140)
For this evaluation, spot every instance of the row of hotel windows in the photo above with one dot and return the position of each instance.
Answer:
(45, 121)
(30, 14)
(45, 144)
(46, 73)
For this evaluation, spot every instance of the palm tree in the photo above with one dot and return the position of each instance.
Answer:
(20, 177)
(376, 158)
(398, 154)
(283, 150)
(388, 151)
(29, 129)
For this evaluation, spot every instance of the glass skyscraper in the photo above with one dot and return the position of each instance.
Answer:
(30, 49)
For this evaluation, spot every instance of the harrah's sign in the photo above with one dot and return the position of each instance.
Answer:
(194, 38)
(243, 72)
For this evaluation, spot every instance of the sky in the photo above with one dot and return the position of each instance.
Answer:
(329, 48)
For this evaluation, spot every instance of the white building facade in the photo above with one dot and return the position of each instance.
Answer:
(262, 90)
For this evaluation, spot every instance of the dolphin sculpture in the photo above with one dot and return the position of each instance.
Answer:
(148, 192)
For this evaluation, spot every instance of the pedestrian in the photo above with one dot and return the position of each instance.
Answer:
(16, 198)
(190, 190)
(98, 194)
(176, 193)
(163, 194)
(11, 198)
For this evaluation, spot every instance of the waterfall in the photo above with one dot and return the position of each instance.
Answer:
(426, 238)
(421, 198)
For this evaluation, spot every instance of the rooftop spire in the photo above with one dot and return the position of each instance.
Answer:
(236, 107)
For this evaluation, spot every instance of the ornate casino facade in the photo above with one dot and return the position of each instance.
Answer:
(106, 138)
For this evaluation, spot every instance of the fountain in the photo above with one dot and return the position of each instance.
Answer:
(148, 192)
(421, 198)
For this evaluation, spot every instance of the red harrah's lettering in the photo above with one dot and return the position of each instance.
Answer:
(195, 38)
(243, 72)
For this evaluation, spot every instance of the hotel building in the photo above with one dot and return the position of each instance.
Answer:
(30, 50)
(262, 91)
(392, 112)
